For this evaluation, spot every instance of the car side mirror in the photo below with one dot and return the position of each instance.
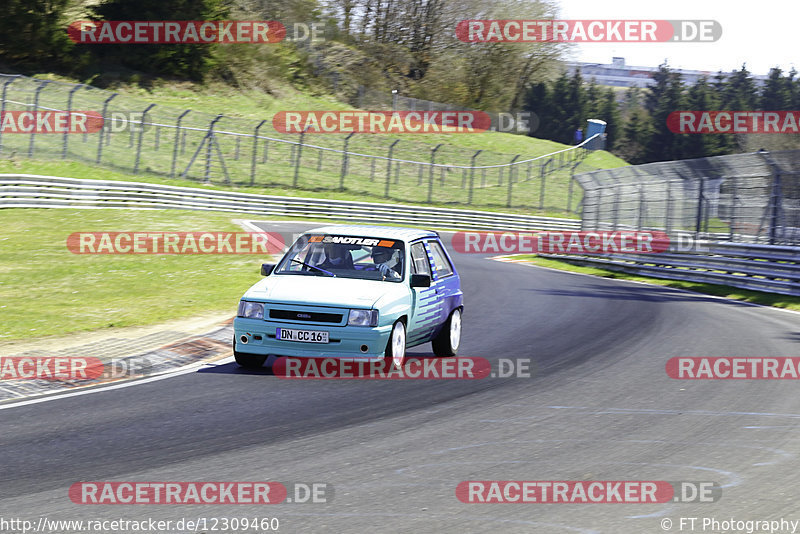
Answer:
(266, 268)
(420, 280)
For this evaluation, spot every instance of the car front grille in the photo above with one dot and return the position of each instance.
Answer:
(314, 317)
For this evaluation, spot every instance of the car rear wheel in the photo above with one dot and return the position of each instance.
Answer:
(249, 361)
(396, 348)
(448, 340)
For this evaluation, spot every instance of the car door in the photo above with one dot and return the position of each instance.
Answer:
(446, 282)
(426, 305)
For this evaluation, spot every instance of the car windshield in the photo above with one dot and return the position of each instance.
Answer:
(367, 258)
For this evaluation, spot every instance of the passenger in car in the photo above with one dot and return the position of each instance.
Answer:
(388, 261)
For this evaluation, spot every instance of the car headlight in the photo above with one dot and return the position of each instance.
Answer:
(363, 318)
(251, 310)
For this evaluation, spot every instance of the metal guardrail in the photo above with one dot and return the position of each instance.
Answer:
(33, 191)
(774, 269)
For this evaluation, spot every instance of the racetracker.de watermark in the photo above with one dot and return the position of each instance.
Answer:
(586, 491)
(176, 31)
(588, 31)
(199, 492)
(734, 122)
(175, 243)
(560, 242)
(458, 368)
(381, 122)
(72, 368)
(50, 122)
(733, 368)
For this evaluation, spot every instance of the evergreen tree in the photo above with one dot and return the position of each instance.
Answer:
(701, 97)
(635, 138)
(776, 93)
(32, 34)
(538, 101)
(191, 61)
(662, 99)
(609, 112)
(574, 107)
(560, 111)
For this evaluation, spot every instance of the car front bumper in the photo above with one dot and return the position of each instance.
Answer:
(344, 341)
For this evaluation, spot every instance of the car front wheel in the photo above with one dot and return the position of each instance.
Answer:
(448, 340)
(396, 348)
(249, 361)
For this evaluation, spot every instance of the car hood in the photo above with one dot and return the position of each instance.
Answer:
(322, 291)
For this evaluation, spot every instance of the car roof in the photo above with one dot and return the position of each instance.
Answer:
(392, 232)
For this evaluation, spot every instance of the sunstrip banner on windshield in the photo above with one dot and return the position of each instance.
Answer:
(351, 240)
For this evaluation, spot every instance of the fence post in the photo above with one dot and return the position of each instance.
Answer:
(776, 199)
(511, 179)
(299, 154)
(69, 117)
(103, 128)
(430, 173)
(734, 196)
(668, 211)
(700, 195)
(177, 140)
(389, 168)
(472, 175)
(617, 199)
(571, 184)
(210, 137)
(141, 136)
(35, 109)
(641, 207)
(344, 160)
(543, 173)
(255, 152)
(3, 107)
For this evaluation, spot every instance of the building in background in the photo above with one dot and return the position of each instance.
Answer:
(618, 74)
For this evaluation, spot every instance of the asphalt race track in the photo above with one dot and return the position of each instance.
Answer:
(599, 406)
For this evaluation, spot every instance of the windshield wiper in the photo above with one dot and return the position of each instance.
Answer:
(314, 267)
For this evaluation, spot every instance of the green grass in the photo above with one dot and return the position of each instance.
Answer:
(73, 169)
(320, 170)
(755, 297)
(46, 290)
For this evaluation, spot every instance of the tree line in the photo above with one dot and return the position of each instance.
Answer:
(408, 46)
(637, 117)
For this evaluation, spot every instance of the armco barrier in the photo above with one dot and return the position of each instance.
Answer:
(32, 191)
(774, 269)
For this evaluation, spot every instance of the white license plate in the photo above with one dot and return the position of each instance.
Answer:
(305, 336)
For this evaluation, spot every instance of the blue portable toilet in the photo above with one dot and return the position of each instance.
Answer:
(595, 126)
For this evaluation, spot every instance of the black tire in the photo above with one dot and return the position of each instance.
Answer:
(248, 361)
(395, 354)
(446, 343)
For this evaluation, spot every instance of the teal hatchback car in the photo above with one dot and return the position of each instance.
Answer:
(365, 292)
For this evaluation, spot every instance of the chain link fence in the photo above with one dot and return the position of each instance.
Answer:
(142, 137)
(753, 197)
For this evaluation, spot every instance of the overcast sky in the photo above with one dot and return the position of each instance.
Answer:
(761, 34)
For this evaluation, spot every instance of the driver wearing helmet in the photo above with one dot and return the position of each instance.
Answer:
(388, 261)
(336, 257)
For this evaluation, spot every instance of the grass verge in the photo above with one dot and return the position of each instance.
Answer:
(46, 290)
(745, 295)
